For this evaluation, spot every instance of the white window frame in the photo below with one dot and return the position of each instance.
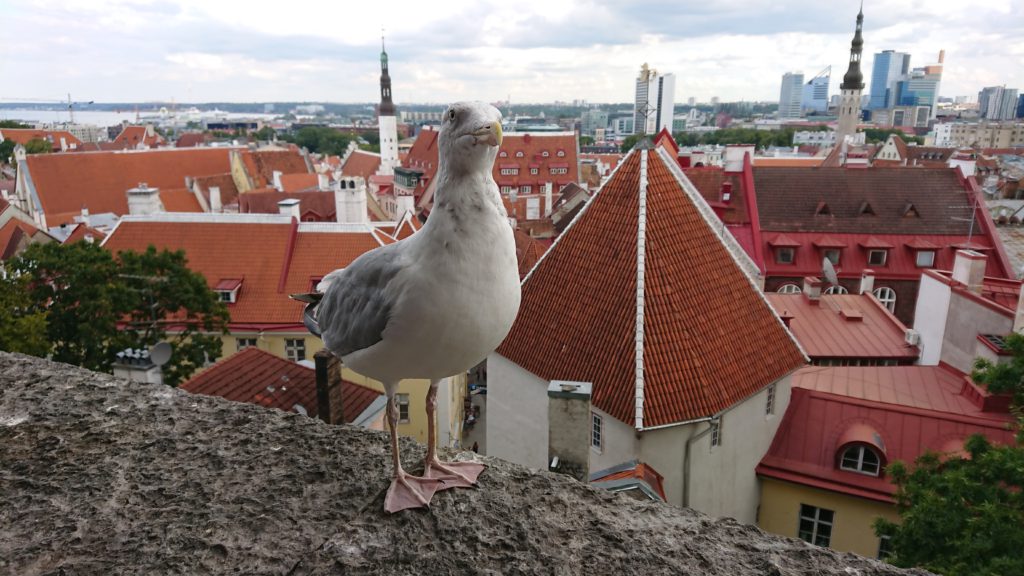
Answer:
(859, 456)
(243, 343)
(526, 189)
(769, 408)
(545, 154)
(519, 154)
(785, 250)
(887, 297)
(533, 171)
(837, 289)
(295, 349)
(561, 153)
(813, 514)
(402, 402)
(789, 288)
(596, 432)
(872, 252)
(930, 254)
(510, 171)
(506, 189)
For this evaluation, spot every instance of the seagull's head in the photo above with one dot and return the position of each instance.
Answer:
(470, 137)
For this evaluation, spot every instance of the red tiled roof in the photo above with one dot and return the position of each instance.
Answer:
(709, 180)
(408, 226)
(769, 162)
(132, 136)
(180, 200)
(709, 337)
(25, 135)
(191, 139)
(300, 182)
(13, 236)
(528, 251)
(636, 471)
(272, 257)
(361, 164)
(226, 183)
(100, 180)
(257, 377)
(314, 206)
(911, 409)
(261, 164)
(83, 232)
(844, 326)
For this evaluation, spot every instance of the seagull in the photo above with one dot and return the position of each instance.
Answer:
(435, 304)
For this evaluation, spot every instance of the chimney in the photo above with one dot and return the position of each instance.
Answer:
(786, 316)
(547, 199)
(277, 181)
(867, 281)
(215, 201)
(328, 387)
(85, 215)
(136, 365)
(290, 207)
(726, 192)
(812, 289)
(63, 144)
(969, 269)
(323, 182)
(569, 428)
(143, 200)
(350, 201)
(733, 158)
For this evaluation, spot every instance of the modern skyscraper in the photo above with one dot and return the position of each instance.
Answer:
(888, 69)
(789, 96)
(654, 107)
(850, 89)
(387, 124)
(815, 92)
(997, 103)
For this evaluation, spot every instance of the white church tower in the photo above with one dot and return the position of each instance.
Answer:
(850, 89)
(387, 122)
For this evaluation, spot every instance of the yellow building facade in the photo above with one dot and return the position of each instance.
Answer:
(851, 520)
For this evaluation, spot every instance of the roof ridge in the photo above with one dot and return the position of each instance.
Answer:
(641, 245)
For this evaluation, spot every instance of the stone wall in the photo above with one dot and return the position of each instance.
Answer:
(104, 476)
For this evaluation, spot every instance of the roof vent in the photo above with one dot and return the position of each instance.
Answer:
(910, 211)
(865, 208)
(822, 209)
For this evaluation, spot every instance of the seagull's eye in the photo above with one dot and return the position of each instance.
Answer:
(451, 115)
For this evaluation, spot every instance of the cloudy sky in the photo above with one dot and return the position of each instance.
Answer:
(529, 50)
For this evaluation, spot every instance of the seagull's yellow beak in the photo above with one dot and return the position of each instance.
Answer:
(490, 134)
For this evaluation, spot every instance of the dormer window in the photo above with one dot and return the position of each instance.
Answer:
(519, 154)
(860, 459)
(227, 289)
(784, 255)
(832, 254)
(545, 154)
(561, 153)
(877, 257)
(503, 154)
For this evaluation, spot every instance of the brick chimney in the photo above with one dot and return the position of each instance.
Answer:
(569, 428)
(969, 269)
(144, 200)
(290, 207)
(867, 281)
(328, 387)
(812, 289)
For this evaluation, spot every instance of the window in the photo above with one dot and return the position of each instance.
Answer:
(833, 255)
(526, 189)
(784, 255)
(225, 295)
(770, 404)
(402, 400)
(533, 171)
(925, 258)
(559, 170)
(510, 171)
(506, 189)
(860, 459)
(561, 153)
(887, 296)
(877, 257)
(295, 349)
(816, 525)
(519, 154)
(789, 289)
(716, 432)
(836, 290)
(503, 154)
(545, 154)
(596, 432)
(243, 343)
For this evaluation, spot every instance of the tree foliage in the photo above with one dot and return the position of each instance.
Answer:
(22, 327)
(879, 135)
(266, 133)
(760, 138)
(12, 124)
(97, 305)
(321, 140)
(38, 146)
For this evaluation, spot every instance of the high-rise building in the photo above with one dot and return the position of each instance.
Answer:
(593, 120)
(997, 103)
(815, 92)
(789, 96)
(654, 106)
(888, 69)
(850, 89)
(387, 124)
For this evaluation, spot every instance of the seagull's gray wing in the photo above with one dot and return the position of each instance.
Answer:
(357, 303)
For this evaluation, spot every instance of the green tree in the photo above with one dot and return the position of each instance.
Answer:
(22, 327)
(38, 146)
(321, 140)
(879, 135)
(586, 140)
(630, 141)
(7, 151)
(266, 133)
(97, 305)
(12, 124)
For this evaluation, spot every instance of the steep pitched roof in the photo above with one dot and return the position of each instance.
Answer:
(15, 235)
(542, 151)
(301, 182)
(257, 377)
(662, 318)
(191, 139)
(132, 136)
(261, 164)
(528, 252)
(361, 164)
(226, 183)
(99, 181)
(25, 135)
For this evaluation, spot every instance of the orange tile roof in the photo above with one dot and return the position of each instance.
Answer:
(83, 232)
(191, 139)
(261, 164)
(541, 151)
(407, 226)
(361, 164)
(14, 235)
(268, 253)
(764, 161)
(313, 206)
(528, 252)
(226, 183)
(100, 180)
(180, 200)
(257, 377)
(24, 135)
(301, 182)
(132, 136)
(632, 471)
(709, 338)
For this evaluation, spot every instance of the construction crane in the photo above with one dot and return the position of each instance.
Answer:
(71, 105)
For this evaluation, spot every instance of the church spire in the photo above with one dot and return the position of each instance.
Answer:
(387, 107)
(854, 79)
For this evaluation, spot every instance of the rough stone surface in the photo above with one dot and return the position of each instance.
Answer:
(102, 476)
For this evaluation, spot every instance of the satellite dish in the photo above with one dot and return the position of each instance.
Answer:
(160, 353)
(829, 272)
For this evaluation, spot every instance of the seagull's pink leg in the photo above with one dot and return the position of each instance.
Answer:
(406, 491)
(451, 474)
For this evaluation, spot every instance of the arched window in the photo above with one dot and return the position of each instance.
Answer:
(862, 459)
(788, 289)
(836, 290)
(887, 296)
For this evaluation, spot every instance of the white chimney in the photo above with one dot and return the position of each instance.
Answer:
(85, 215)
(277, 181)
(547, 199)
(969, 269)
(733, 158)
(350, 201)
(290, 207)
(812, 289)
(63, 144)
(215, 200)
(323, 182)
(867, 282)
(144, 200)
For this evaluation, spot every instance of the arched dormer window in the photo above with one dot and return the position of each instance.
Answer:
(862, 459)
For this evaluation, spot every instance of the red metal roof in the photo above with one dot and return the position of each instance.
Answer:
(844, 326)
(911, 409)
(710, 339)
(257, 377)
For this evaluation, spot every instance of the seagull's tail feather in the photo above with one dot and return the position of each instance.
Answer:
(312, 300)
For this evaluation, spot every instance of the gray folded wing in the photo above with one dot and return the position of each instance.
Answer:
(357, 302)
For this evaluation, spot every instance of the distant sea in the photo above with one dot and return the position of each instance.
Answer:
(97, 118)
